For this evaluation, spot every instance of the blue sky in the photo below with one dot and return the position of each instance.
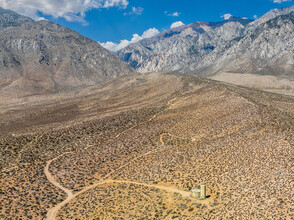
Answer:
(115, 20)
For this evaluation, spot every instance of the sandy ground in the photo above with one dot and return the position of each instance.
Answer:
(263, 82)
(135, 147)
(51, 215)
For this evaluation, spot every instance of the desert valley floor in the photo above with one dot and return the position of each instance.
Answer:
(134, 147)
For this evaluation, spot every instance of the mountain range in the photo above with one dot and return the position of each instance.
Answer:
(40, 57)
(37, 57)
(237, 45)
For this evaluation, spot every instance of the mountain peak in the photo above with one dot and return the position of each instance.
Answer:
(10, 18)
(270, 15)
(208, 47)
(243, 21)
(43, 57)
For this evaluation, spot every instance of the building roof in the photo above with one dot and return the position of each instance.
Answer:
(195, 190)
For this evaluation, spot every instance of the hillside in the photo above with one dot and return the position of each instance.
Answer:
(268, 49)
(268, 16)
(9, 18)
(259, 50)
(180, 47)
(85, 136)
(44, 57)
(135, 146)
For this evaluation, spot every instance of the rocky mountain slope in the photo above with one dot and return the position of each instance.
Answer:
(270, 15)
(9, 18)
(40, 57)
(264, 46)
(267, 50)
(179, 47)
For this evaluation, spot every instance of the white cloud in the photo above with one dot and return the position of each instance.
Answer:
(150, 33)
(175, 14)
(227, 16)
(124, 43)
(176, 24)
(108, 45)
(281, 1)
(71, 10)
(255, 16)
(42, 19)
(110, 3)
(135, 11)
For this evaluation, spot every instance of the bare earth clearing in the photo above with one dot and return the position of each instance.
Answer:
(134, 147)
(263, 82)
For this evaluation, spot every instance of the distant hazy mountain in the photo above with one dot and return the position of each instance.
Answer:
(268, 49)
(263, 46)
(270, 15)
(179, 47)
(38, 57)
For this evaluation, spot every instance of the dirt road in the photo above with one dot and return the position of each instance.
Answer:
(51, 215)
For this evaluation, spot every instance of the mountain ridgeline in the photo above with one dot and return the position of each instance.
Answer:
(44, 57)
(236, 45)
(9, 18)
(41, 57)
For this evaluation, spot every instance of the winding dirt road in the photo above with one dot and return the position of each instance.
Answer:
(51, 214)
(53, 211)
